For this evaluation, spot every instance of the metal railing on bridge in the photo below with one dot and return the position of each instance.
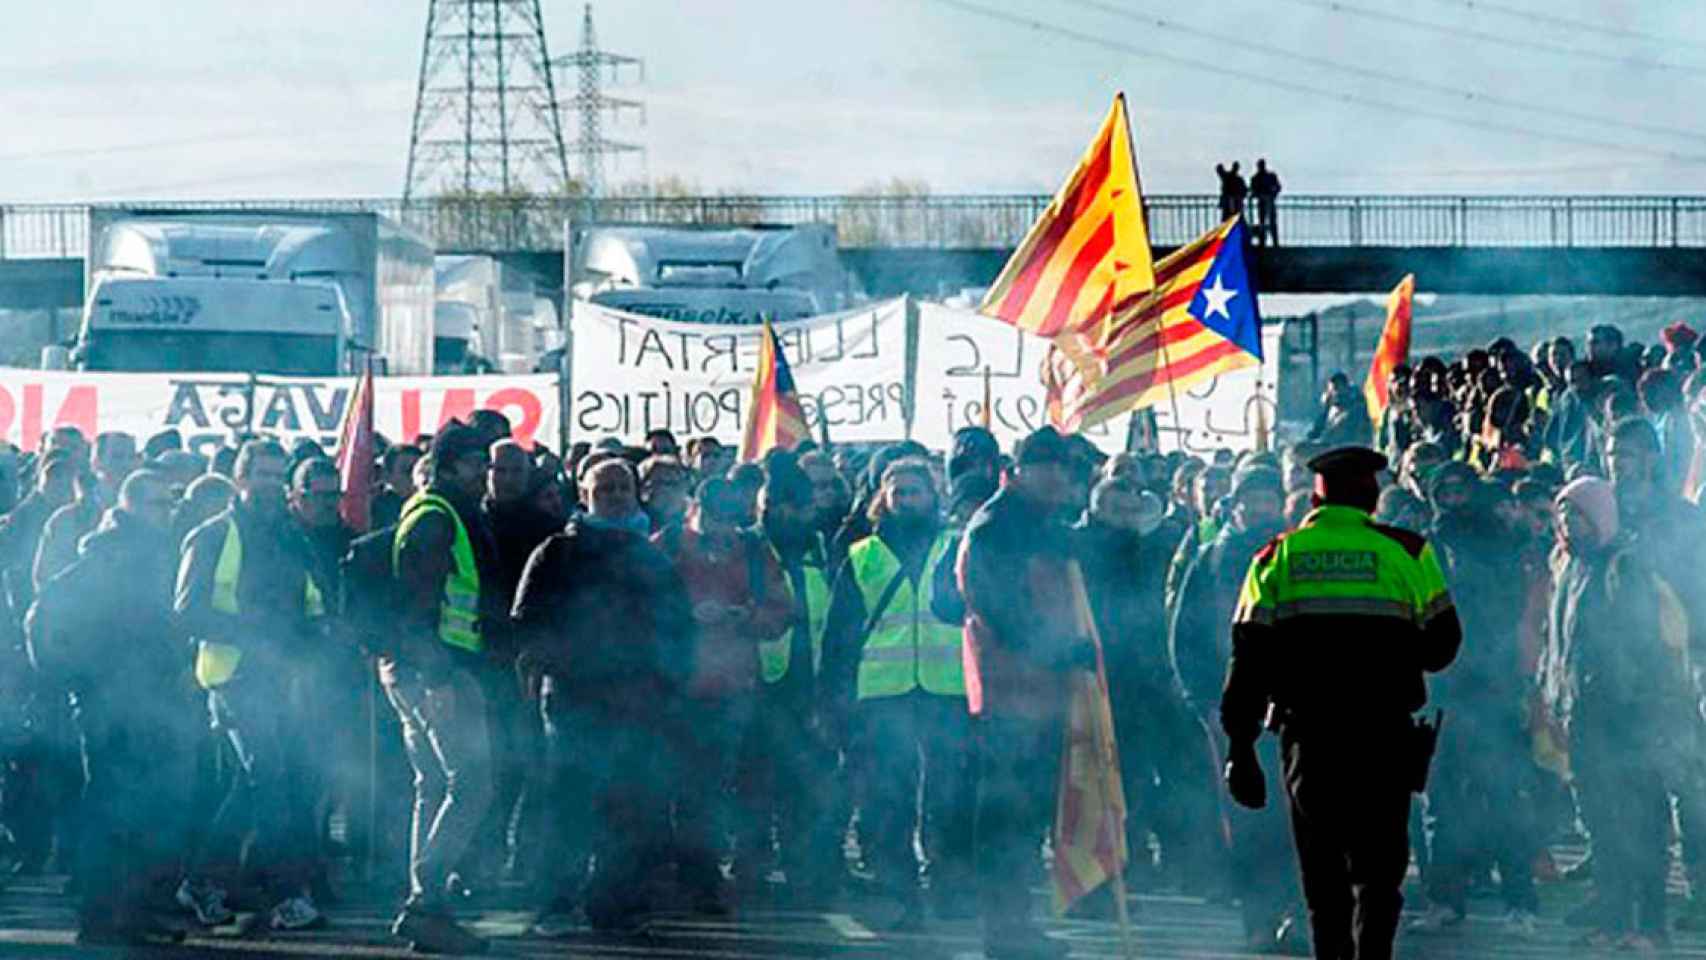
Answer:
(969, 221)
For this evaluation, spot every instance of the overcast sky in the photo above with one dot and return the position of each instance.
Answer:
(103, 99)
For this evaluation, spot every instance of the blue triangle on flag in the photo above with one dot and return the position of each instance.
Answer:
(1226, 299)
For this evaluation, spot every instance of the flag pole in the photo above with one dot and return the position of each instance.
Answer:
(1109, 754)
(1263, 440)
(988, 401)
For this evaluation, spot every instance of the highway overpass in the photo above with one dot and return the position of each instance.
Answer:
(1501, 245)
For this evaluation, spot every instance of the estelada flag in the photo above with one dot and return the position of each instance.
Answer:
(355, 457)
(1394, 347)
(1089, 838)
(1201, 320)
(774, 417)
(1088, 253)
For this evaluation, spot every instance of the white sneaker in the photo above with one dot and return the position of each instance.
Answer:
(1521, 923)
(1439, 918)
(554, 925)
(206, 901)
(296, 913)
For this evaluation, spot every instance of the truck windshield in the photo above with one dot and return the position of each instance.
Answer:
(155, 351)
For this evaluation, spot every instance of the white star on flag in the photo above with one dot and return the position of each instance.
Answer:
(1218, 297)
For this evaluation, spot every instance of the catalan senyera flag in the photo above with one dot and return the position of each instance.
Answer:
(355, 457)
(1200, 321)
(775, 417)
(1089, 838)
(1394, 347)
(1089, 251)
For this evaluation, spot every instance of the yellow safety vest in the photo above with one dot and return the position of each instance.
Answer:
(216, 663)
(459, 611)
(773, 655)
(908, 648)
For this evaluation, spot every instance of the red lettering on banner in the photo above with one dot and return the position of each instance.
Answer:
(458, 405)
(527, 402)
(31, 438)
(8, 410)
(411, 416)
(80, 409)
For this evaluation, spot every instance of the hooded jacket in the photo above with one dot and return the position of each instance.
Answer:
(1021, 622)
(104, 627)
(1125, 574)
(1480, 557)
(1611, 672)
(1199, 638)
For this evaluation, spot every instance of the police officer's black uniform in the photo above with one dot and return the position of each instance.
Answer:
(1337, 623)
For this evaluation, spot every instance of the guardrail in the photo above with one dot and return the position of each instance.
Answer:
(971, 221)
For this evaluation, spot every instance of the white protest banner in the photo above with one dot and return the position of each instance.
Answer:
(1222, 413)
(954, 347)
(633, 373)
(211, 408)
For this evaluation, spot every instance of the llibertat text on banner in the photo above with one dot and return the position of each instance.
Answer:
(633, 373)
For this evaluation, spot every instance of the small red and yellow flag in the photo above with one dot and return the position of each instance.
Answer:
(775, 417)
(1088, 253)
(1394, 347)
(355, 457)
(1088, 839)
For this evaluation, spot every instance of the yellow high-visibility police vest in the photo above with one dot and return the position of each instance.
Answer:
(1336, 563)
(216, 663)
(459, 611)
(908, 648)
(773, 655)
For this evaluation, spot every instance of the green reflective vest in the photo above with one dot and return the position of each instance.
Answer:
(459, 611)
(773, 655)
(216, 663)
(1336, 563)
(907, 648)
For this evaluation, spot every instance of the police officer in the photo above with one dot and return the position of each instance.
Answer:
(1336, 625)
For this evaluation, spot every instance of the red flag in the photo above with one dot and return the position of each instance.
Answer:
(355, 456)
(1394, 347)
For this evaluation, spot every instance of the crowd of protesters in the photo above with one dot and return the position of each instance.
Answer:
(642, 674)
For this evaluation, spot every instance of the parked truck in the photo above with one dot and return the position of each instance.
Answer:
(733, 275)
(288, 293)
(511, 329)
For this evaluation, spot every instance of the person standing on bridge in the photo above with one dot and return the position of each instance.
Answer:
(1313, 605)
(1265, 187)
(1233, 190)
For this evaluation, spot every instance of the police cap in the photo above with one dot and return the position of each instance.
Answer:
(1347, 463)
(1346, 476)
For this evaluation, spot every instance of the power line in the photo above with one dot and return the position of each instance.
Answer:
(1568, 23)
(245, 177)
(163, 144)
(1442, 89)
(1385, 106)
(1575, 53)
